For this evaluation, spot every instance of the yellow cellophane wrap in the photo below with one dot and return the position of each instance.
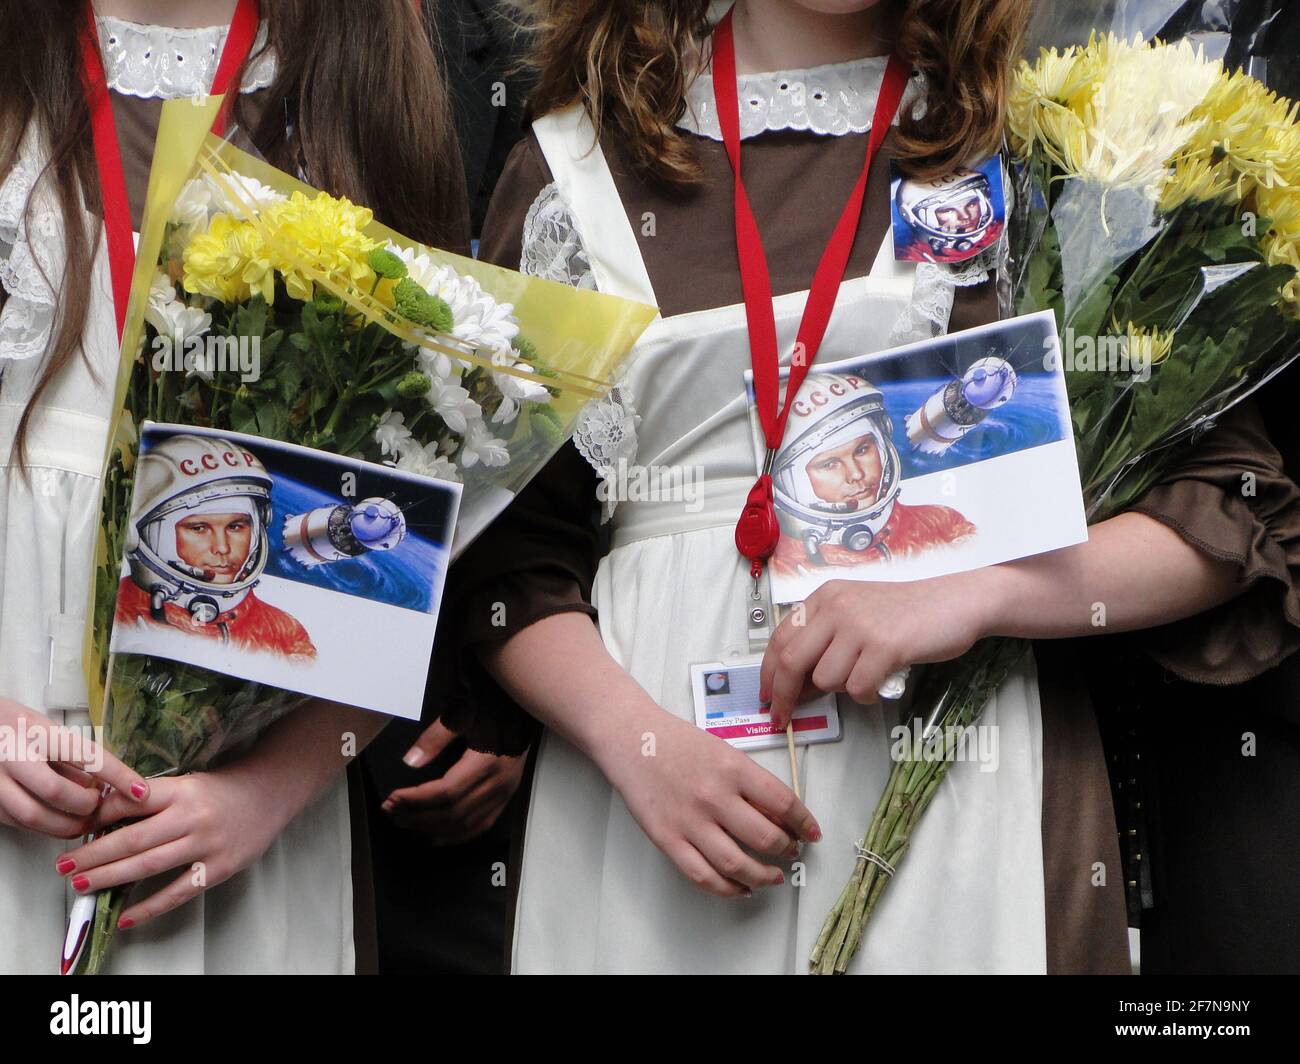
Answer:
(585, 336)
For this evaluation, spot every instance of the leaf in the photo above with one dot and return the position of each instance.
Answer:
(272, 420)
(289, 380)
(249, 319)
(1092, 316)
(243, 416)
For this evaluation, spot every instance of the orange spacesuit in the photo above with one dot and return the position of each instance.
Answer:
(909, 531)
(251, 625)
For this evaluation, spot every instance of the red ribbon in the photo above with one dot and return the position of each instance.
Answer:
(758, 531)
(108, 155)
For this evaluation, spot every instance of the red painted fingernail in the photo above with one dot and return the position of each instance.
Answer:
(80, 883)
(125, 923)
(65, 865)
(764, 695)
(139, 789)
(815, 835)
(780, 879)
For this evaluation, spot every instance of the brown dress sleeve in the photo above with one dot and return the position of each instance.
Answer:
(535, 560)
(1231, 499)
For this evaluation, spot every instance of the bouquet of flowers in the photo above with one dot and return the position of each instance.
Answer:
(1158, 214)
(265, 307)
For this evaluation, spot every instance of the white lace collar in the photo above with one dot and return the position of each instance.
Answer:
(163, 62)
(834, 99)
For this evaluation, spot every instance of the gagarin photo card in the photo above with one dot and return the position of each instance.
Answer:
(948, 219)
(285, 565)
(933, 458)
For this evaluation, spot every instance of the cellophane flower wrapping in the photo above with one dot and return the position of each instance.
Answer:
(1155, 167)
(366, 345)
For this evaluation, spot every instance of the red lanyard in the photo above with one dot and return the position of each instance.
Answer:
(108, 156)
(757, 531)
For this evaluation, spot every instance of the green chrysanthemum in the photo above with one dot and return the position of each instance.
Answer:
(526, 350)
(386, 264)
(547, 424)
(416, 305)
(326, 303)
(413, 385)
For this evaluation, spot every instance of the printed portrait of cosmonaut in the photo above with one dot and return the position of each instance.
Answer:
(948, 219)
(198, 544)
(837, 481)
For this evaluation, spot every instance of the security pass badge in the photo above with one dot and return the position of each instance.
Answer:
(726, 705)
(948, 219)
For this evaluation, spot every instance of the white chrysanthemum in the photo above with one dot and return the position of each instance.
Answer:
(427, 462)
(515, 390)
(238, 195)
(479, 320)
(437, 366)
(481, 446)
(452, 403)
(391, 432)
(191, 207)
(171, 317)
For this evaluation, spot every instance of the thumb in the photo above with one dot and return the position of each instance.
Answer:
(429, 745)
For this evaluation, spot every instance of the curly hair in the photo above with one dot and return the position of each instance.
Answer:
(629, 63)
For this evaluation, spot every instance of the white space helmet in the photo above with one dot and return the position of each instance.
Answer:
(830, 411)
(178, 478)
(920, 202)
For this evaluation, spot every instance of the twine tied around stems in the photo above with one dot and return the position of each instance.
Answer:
(874, 858)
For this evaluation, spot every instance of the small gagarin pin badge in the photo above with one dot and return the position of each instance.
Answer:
(948, 219)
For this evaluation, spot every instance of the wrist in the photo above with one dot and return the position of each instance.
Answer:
(620, 731)
(986, 598)
(276, 795)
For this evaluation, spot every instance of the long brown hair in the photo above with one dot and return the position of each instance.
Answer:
(630, 62)
(359, 80)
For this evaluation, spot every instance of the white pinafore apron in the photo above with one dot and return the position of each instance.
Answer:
(291, 910)
(595, 894)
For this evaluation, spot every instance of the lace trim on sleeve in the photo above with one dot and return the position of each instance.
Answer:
(605, 432)
(552, 245)
(31, 256)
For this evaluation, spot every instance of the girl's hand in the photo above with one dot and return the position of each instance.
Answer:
(51, 777)
(461, 804)
(211, 824)
(700, 801)
(854, 634)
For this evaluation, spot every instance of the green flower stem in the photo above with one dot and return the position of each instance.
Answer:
(108, 910)
(961, 689)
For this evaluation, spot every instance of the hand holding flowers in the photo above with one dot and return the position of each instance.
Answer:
(51, 777)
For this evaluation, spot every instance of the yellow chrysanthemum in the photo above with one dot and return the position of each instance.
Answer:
(229, 262)
(1145, 345)
(1281, 242)
(1254, 129)
(1045, 93)
(294, 238)
(1197, 180)
(322, 234)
